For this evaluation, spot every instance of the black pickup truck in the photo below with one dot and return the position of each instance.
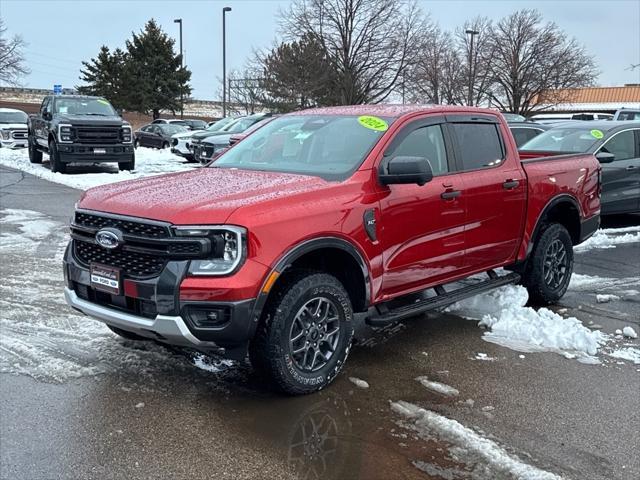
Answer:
(79, 129)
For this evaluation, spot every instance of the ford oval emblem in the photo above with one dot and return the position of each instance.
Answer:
(107, 239)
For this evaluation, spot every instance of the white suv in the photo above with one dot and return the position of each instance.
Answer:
(13, 128)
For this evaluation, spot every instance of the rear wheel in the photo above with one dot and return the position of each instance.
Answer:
(136, 143)
(165, 144)
(54, 159)
(130, 165)
(305, 333)
(35, 155)
(125, 334)
(549, 268)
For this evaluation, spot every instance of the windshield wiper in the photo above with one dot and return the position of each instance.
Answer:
(97, 114)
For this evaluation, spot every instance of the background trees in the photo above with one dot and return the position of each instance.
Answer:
(146, 78)
(12, 65)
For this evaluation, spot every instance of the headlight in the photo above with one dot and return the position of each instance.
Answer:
(65, 133)
(228, 248)
(126, 134)
(5, 134)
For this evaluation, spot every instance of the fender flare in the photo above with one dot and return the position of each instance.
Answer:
(308, 246)
(562, 198)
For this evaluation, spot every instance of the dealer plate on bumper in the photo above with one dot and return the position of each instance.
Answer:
(106, 279)
(100, 151)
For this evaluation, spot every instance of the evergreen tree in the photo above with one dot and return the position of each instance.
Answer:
(154, 75)
(105, 76)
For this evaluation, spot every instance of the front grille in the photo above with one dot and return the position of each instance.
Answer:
(133, 264)
(126, 226)
(19, 134)
(98, 134)
(136, 306)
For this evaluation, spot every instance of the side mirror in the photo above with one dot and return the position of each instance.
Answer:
(403, 170)
(605, 157)
(47, 116)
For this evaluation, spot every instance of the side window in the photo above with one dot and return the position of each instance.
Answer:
(426, 142)
(479, 144)
(621, 145)
(523, 135)
(45, 105)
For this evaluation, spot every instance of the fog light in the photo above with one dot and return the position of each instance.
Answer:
(209, 317)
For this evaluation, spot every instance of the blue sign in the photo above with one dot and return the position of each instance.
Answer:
(57, 89)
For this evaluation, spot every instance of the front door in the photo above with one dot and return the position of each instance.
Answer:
(422, 231)
(621, 178)
(495, 189)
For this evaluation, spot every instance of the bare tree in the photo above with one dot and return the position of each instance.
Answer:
(369, 43)
(12, 64)
(532, 62)
(245, 88)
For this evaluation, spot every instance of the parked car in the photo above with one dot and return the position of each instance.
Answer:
(524, 131)
(181, 142)
(13, 128)
(513, 117)
(325, 222)
(627, 114)
(615, 144)
(157, 135)
(79, 129)
(211, 147)
(552, 118)
(240, 124)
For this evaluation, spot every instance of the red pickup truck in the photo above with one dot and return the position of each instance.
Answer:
(325, 222)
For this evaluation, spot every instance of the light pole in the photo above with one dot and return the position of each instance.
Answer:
(473, 33)
(224, 61)
(179, 21)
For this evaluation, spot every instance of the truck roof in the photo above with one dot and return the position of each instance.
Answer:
(75, 96)
(391, 110)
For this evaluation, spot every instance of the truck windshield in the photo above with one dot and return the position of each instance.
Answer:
(84, 106)
(327, 146)
(13, 117)
(565, 139)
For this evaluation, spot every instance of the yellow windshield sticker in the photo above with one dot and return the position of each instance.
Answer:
(104, 102)
(597, 134)
(373, 123)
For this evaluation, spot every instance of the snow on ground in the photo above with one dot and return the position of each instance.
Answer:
(609, 238)
(486, 457)
(525, 329)
(359, 382)
(438, 387)
(149, 162)
(43, 338)
(618, 286)
(606, 297)
(631, 354)
(629, 332)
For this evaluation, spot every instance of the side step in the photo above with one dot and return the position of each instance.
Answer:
(385, 315)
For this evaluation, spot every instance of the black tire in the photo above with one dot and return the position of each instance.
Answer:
(125, 334)
(289, 311)
(35, 155)
(54, 159)
(549, 268)
(130, 165)
(136, 143)
(165, 145)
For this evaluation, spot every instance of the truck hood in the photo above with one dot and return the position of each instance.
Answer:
(205, 133)
(90, 119)
(218, 140)
(201, 196)
(12, 126)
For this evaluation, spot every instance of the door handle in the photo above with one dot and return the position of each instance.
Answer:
(450, 195)
(631, 167)
(510, 184)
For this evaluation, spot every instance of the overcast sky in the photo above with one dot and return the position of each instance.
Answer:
(62, 33)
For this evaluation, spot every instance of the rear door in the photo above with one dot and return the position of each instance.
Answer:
(621, 178)
(422, 232)
(494, 187)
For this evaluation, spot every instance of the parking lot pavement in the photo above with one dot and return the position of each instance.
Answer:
(78, 402)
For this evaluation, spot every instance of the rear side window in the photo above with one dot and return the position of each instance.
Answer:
(523, 135)
(426, 142)
(621, 145)
(479, 145)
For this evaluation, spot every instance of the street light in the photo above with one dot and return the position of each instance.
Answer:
(473, 33)
(179, 20)
(224, 61)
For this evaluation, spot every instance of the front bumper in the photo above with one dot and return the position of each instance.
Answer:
(14, 143)
(75, 152)
(152, 308)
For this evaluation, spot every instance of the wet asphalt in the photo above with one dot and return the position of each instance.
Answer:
(579, 421)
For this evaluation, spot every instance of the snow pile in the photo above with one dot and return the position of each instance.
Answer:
(468, 446)
(438, 387)
(609, 238)
(630, 353)
(358, 382)
(148, 162)
(524, 329)
(629, 332)
(211, 364)
(606, 297)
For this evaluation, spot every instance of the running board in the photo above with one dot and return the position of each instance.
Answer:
(384, 315)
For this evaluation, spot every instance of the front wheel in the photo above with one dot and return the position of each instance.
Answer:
(130, 165)
(54, 159)
(165, 145)
(550, 266)
(35, 155)
(305, 333)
